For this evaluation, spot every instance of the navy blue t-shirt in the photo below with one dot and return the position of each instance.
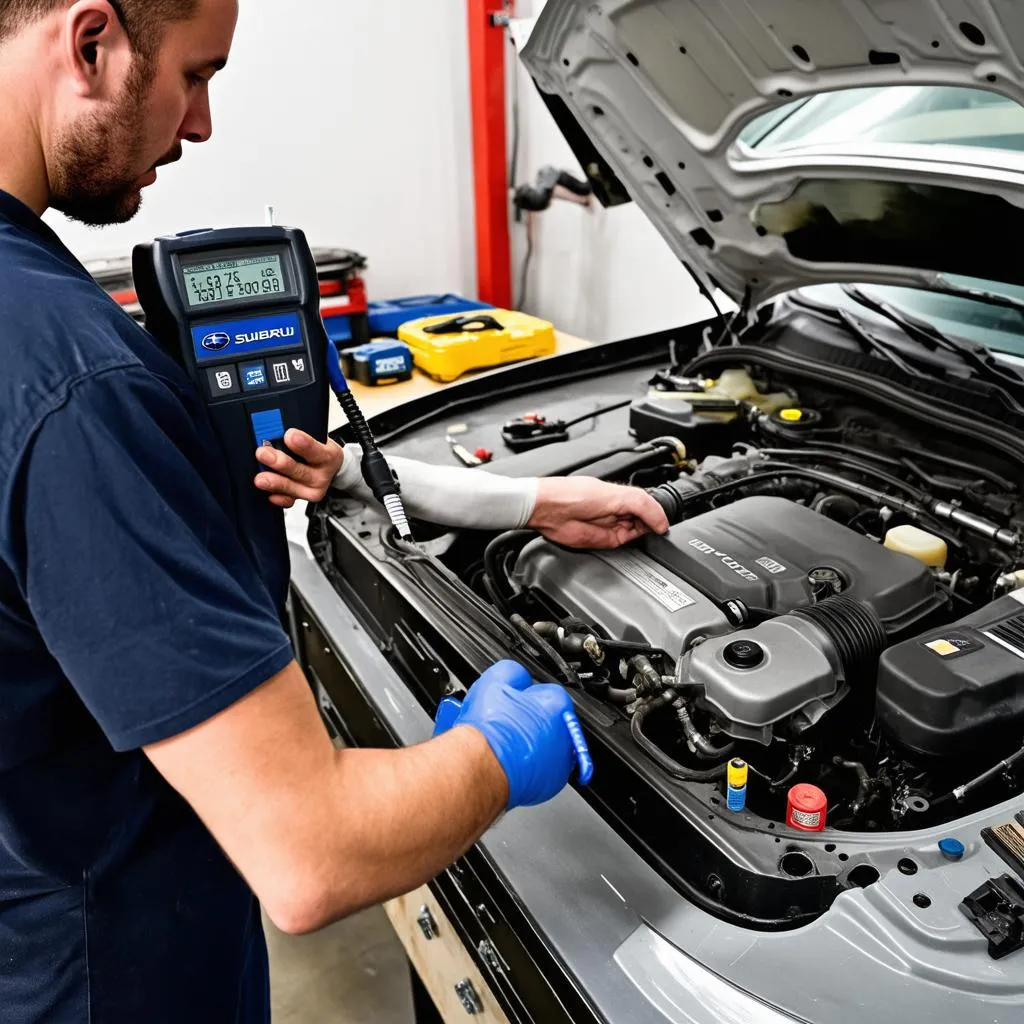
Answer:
(130, 612)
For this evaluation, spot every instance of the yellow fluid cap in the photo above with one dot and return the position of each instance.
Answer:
(739, 773)
(791, 415)
(919, 544)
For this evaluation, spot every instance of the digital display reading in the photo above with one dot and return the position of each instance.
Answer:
(245, 277)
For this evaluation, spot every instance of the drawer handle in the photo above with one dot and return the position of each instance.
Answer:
(489, 955)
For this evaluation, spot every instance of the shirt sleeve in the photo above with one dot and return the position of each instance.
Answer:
(131, 566)
(448, 495)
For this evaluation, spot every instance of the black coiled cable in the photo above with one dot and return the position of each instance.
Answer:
(376, 471)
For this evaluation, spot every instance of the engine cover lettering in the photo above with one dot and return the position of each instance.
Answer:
(727, 560)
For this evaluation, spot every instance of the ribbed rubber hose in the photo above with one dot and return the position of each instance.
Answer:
(854, 628)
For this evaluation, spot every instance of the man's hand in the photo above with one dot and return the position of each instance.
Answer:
(287, 481)
(580, 512)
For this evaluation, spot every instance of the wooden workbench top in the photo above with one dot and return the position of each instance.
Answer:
(374, 401)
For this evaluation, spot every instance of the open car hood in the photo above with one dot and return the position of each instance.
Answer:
(654, 95)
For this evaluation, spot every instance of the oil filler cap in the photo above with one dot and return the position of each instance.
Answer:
(795, 418)
(744, 654)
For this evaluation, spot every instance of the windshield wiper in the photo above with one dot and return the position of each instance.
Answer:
(868, 341)
(944, 286)
(976, 357)
(872, 343)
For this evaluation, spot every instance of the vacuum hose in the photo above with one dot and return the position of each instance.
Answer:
(668, 764)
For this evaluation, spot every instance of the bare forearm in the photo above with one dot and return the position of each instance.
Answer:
(321, 833)
(403, 816)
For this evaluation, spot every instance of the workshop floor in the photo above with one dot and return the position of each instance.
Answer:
(352, 973)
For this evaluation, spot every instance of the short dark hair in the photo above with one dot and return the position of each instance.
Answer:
(143, 20)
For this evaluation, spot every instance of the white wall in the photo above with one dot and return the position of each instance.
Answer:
(352, 119)
(599, 274)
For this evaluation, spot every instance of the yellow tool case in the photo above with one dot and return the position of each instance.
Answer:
(445, 347)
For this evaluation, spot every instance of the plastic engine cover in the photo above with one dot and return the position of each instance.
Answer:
(959, 689)
(622, 593)
(762, 550)
(789, 671)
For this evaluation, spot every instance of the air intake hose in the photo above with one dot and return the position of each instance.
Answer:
(672, 498)
(856, 632)
(714, 472)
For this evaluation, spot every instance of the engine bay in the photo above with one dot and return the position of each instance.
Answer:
(832, 613)
(837, 608)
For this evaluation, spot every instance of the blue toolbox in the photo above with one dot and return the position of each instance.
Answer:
(386, 316)
(380, 362)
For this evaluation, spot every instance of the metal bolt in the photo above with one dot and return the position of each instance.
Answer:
(425, 919)
(468, 997)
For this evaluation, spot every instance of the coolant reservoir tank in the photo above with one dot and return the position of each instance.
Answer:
(919, 544)
(738, 384)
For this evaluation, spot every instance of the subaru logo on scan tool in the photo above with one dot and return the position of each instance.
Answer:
(216, 342)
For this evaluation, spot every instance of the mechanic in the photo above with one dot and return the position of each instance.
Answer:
(161, 757)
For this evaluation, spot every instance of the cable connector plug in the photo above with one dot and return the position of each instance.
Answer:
(377, 473)
(387, 490)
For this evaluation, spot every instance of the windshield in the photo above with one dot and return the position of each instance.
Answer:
(922, 115)
(925, 115)
(996, 327)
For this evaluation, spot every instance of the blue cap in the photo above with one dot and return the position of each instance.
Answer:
(952, 849)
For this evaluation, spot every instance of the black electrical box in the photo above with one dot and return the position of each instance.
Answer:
(707, 427)
(958, 689)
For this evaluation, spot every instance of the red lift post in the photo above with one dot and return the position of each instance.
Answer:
(490, 150)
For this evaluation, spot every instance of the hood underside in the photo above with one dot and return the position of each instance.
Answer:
(655, 96)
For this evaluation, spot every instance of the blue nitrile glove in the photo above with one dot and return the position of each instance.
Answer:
(532, 730)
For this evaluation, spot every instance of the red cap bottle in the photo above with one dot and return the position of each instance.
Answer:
(808, 808)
